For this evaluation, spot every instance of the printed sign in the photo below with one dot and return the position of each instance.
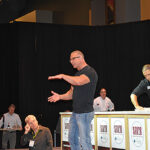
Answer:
(103, 132)
(65, 128)
(92, 133)
(137, 133)
(118, 133)
(148, 133)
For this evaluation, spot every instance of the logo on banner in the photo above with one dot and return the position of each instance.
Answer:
(137, 134)
(104, 132)
(118, 134)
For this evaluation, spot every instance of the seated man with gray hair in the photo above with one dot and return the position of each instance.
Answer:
(36, 136)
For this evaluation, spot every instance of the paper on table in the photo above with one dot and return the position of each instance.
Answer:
(10, 129)
(145, 109)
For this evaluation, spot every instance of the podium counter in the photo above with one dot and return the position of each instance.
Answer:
(126, 130)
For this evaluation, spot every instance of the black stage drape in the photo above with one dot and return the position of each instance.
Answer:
(30, 52)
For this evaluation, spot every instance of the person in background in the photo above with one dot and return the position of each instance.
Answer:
(36, 136)
(10, 122)
(102, 102)
(143, 87)
(82, 91)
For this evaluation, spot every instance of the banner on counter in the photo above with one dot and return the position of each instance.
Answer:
(118, 133)
(137, 133)
(92, 132)
(148, 133)
(65, 128)
(103, 138)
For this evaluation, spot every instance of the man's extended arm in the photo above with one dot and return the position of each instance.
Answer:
(73, 80)
(135, 102)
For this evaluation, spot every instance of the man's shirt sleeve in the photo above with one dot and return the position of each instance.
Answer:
(140, 89)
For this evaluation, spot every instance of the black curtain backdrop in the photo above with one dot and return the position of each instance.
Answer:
(30, 52)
